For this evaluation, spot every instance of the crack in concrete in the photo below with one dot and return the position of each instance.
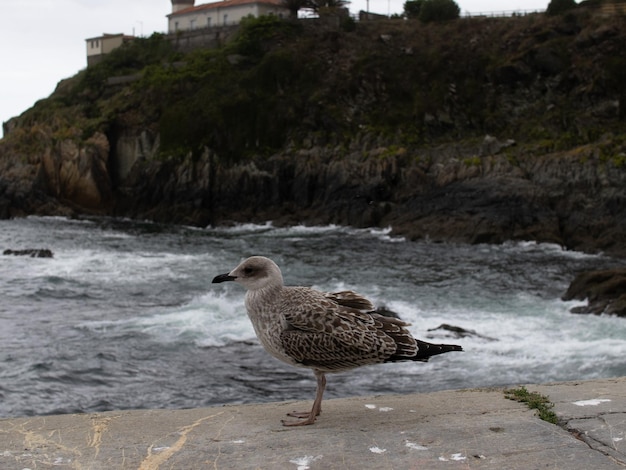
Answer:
(217, 439)
(154, 461)
(35, 441)
(98, 427)
(593, 443)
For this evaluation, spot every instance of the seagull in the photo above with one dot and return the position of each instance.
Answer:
(325, 332)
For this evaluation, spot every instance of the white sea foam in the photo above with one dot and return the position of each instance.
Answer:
(209, 320)
(296, 231)
(115, 267)
(385, 235)
(549, 249)
(536, 340)
(242, 228)
(60, 219)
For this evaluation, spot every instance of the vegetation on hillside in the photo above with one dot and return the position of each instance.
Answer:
(547, 80)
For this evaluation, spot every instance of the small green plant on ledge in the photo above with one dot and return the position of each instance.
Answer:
(534, 401)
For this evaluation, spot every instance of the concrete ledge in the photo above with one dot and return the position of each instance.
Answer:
(452, 429)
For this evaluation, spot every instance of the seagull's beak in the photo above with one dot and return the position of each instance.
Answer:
(223, 278)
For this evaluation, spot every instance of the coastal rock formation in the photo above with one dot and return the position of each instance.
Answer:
(480, 131)
(605, 292)
(79, 173)
(442, 193)
(446, 193)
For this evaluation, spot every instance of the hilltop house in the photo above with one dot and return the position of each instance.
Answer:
(102, 45)
(186, 17)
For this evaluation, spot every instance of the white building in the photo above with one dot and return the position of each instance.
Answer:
(102, 45)
(186, 17)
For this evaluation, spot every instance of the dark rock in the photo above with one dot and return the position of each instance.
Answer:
(385, 312)
(605, 292)
(33, 253)
(548, 60)
(450, 331)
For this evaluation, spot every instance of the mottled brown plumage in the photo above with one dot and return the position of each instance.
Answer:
(326, 332)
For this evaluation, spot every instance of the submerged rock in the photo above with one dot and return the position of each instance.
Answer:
(32, 252)
(450, 331)
(605, 292)
(386, 312)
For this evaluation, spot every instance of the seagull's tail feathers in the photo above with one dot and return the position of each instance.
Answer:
(424, 351)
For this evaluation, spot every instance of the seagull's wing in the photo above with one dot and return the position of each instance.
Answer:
(350, 299)
(324, 334)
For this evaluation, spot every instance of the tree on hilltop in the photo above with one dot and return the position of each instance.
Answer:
(556, 7)
(432, 10)
(412, 8)
(294, 6)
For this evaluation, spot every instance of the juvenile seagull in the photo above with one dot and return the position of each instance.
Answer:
(326, 332)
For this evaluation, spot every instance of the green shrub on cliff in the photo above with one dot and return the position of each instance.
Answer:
(234, 104)
(256, 34)
(132, 57)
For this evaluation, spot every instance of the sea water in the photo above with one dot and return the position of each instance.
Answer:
(125, 316)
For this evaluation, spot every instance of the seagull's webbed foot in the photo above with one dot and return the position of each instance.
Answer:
(301, 414)
(308, 417)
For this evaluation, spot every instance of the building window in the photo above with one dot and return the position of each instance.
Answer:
(225, 20)
(208, 21)
(192, 24)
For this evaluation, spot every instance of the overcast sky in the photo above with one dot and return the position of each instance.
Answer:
(43, 41)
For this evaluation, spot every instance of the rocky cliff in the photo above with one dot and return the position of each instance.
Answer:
(479, 130)
(441, 193)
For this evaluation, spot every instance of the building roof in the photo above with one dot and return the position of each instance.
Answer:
(226, 4)
(107, 35)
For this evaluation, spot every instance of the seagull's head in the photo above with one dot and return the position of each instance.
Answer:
(254, 273)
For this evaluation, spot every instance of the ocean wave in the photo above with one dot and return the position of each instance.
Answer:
(549, 249)
(138, 314)
(64, 221)
(301, 230)
(207, 320)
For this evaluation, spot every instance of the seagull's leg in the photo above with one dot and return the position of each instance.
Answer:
(309, 417)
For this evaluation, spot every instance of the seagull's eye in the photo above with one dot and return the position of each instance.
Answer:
(248, 270)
